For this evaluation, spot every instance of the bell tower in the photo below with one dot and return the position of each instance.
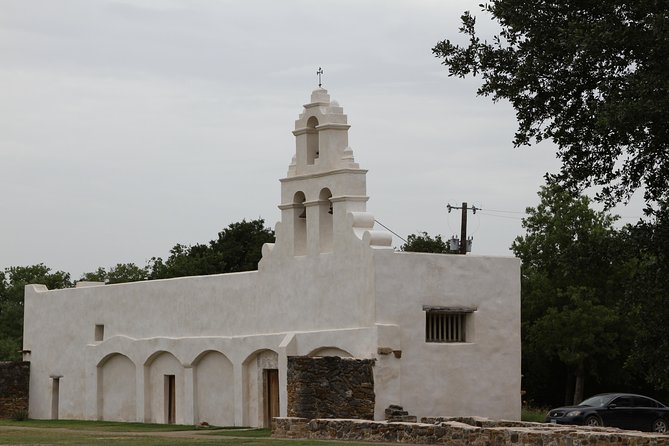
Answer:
(324, 183)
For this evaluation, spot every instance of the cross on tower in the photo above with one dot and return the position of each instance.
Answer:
(319, 73)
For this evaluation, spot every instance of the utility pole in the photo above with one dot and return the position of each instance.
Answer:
(463, 224)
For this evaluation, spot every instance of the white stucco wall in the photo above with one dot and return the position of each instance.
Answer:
(478, 377)
(233, 311)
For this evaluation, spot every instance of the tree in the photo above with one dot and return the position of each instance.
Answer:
(422, 242)
(12, 284)
(185, 260)
(237, 248)
(240, 244)
(121, 273)
(570, 288)
(646, 298)
(592, 76)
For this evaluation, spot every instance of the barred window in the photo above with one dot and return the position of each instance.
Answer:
(446, 324)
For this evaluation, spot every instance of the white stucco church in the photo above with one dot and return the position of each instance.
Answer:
(444, 330)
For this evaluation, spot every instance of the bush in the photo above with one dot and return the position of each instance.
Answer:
(20, 415)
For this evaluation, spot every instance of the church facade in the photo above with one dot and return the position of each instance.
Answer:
(443, 331)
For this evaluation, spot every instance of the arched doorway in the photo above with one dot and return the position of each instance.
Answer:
(261, 376)
(165, 389)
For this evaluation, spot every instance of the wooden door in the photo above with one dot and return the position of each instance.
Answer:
(271, 397)
(170, 399)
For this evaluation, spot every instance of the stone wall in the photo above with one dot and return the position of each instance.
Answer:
(330, 387)
(14, 380)
(457, 433)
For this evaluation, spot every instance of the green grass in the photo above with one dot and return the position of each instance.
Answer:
(79, 433)
(245, 433)
(108, 426)
(535, 414)
(71, 439)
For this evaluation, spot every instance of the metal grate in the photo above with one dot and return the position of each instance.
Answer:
(444, 327)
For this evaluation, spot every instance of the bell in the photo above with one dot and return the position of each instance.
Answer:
(303, 214)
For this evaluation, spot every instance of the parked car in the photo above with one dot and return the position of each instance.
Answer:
(623, 410)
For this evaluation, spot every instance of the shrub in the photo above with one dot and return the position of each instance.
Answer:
(20, 415)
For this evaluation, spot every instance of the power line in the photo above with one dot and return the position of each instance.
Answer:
(503, 212)
(500, 216)
(393, 232)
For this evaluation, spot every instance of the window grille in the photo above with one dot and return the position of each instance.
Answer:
(443, 324)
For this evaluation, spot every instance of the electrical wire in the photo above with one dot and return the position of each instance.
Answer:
(500, 216)
(393, 232)
(502, 212)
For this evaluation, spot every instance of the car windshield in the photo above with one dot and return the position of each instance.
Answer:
(597, 401)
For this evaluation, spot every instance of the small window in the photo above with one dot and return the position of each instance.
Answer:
(99, 332)
(444, 324)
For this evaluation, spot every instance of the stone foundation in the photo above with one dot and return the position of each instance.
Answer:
(330, 387)
(450, 432)
(14, 380)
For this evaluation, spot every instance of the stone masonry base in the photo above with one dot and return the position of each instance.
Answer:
(14, 380)
(470, 431)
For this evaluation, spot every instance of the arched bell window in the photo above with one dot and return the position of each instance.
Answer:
(312, 140)
(325, 220)
(299, 224)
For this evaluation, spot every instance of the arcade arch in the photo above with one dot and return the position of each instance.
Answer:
(117, 389)
(214, 389)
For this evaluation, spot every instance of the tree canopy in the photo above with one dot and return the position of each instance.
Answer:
(12, 283)
(121, 273)
(423, 242)
(237, 248)
(592, 76)
(645, 300)
(570, 287)
(593, 300)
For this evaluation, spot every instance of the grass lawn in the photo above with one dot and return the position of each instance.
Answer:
(537, 415)
(108, 426)
(70, 432)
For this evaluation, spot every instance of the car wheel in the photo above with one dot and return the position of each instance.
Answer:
(660, 426)
(592, 420)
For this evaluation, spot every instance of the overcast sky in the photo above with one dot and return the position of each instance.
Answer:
(127, 126)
